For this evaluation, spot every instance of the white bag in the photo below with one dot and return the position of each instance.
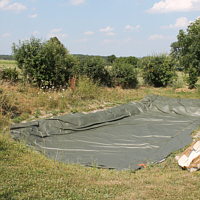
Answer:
(190, 158)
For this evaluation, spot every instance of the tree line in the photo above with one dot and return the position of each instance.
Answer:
(50, 62)
(6, 57)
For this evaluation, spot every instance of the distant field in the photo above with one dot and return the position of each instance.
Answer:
(8, 63)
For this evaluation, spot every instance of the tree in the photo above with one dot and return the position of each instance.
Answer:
(128, 60)
(57, 63)
(28, 56)
(158, 70)
(111, 59)
(125, 75)
(41, 62)
(187, 49)
(132, 60)
(94, 68)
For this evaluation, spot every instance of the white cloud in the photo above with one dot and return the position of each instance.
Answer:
(33, 16)
(166, 6)
(6, 35)
(81, 40)
(128, 27)
(156, 36)
(107, 29)
(127, 40)
(108, 41)
(36, 32)
(17, 7)
(4, 3)
(56, 33)
(130, 40)
(88, 33)
(76, 2)
(180, 23)
(110, 33)
(160, 37)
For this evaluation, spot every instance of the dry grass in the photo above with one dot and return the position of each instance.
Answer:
(23, 102)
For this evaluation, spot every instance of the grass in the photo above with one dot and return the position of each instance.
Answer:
(26, 174)
(17, 100)
(8, 63)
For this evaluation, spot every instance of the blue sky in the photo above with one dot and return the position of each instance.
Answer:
(98, 27)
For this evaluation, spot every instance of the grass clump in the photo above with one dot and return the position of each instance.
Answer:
(85, 88)
(37, 113)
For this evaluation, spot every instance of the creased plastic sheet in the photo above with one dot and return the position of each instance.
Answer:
(119, 138)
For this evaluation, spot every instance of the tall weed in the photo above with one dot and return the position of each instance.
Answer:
(86, 88)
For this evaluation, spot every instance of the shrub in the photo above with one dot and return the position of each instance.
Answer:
(9, 74)
(193, 77)
(143, 61)
(128, 60)
(43, 62)
(125, 75)
(158, 70)
(111, 59)
(94, 68)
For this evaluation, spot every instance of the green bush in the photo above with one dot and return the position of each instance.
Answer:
(43, 62)
(94, 68)
(124, 75)
(111, 59)
(143, 62)
(193, 77)
(158, 70)
(128, 60)
(9, 74)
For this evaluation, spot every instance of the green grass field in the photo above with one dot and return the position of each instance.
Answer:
(8, 63)
(25, 174)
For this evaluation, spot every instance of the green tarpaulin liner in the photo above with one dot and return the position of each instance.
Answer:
(119, 138)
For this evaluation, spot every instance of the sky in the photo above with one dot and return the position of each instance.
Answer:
(98, 27)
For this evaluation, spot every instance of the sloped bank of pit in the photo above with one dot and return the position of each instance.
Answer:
(119, 138)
